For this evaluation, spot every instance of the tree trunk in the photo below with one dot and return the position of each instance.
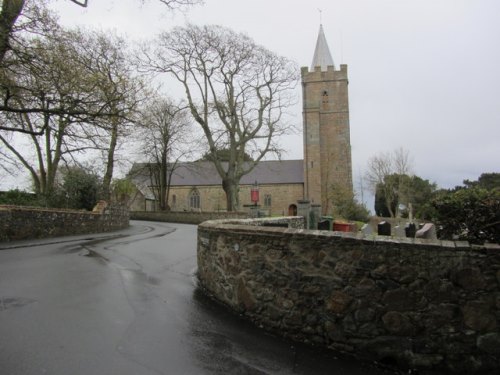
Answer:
(231, 188)
(11, 9)
(163, 183)
(108, 175)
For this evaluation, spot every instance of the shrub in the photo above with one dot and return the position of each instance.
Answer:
(471, 214)
(18, 197)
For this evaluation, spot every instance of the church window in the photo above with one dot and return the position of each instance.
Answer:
(174, 199)
(194, 199)
(267, 200)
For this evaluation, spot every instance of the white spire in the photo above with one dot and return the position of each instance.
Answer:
(322, 56)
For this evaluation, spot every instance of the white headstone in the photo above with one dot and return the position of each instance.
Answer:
(428, 232)
(399, 231)
(367, 230)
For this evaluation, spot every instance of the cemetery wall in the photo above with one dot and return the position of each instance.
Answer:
(411, 302)
(186, 217)
(19, 223)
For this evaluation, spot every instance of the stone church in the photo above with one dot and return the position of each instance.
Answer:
(196, 186)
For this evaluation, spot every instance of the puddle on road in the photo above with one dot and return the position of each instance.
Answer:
(85, 252)
(7, 303)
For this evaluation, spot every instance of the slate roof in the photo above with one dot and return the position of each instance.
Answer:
(203, 173)
(322, 56)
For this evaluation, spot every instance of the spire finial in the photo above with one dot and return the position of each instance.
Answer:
(320, 16)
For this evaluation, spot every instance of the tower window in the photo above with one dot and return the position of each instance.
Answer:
(325, 97)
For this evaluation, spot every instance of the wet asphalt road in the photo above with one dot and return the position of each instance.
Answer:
(127, 303)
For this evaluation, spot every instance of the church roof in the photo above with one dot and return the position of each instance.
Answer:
(203, 173)
(322, 56)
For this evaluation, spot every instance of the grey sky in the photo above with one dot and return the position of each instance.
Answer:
(423, 75)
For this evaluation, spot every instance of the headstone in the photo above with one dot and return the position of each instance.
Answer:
(384, 228)
(427, 232)
(410, 230)
(324, 225)
(367, 230)
(399, 231)
(330, 221)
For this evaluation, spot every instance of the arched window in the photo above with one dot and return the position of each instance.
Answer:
(267, 200)
(194, 199)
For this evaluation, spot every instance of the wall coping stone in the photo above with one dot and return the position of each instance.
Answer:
(255, 226)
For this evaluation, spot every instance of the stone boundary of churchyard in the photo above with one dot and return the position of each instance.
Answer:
(411, 302)
(21, 223)
(185, 217)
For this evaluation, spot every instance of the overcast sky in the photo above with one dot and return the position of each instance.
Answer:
(423, 75)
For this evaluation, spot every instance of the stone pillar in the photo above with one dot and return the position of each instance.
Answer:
(314, 215)
(303, 208)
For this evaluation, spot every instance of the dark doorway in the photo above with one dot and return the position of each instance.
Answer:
(292, 210)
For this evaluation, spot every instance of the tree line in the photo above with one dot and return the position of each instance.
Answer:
(66, 94)
(468, 212)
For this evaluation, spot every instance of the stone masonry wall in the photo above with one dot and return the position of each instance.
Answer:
(411, 302)
(19, 223)
(185, 217)
(327, 149)
(213, 198)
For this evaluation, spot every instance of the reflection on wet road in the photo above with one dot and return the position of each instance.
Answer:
(127, 303)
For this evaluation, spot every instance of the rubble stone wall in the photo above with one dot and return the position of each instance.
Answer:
(185, 217)
(420, 304)
(19, 223)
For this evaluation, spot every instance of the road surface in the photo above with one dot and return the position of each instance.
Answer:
(127, 303)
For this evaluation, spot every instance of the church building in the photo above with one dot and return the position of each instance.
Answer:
(196, 186)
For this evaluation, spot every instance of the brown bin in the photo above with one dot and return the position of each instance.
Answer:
(340, 226)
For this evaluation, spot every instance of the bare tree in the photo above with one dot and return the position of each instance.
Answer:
(106, 58)
(176, 4)
(236, 91)
(12, 9)
(386, 174)
(21, 20)
(379, 166)
(402, 161)
(31, 70)
(59, 76)
(165, 140)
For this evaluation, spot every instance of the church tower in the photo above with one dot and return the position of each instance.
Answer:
(327, 146)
